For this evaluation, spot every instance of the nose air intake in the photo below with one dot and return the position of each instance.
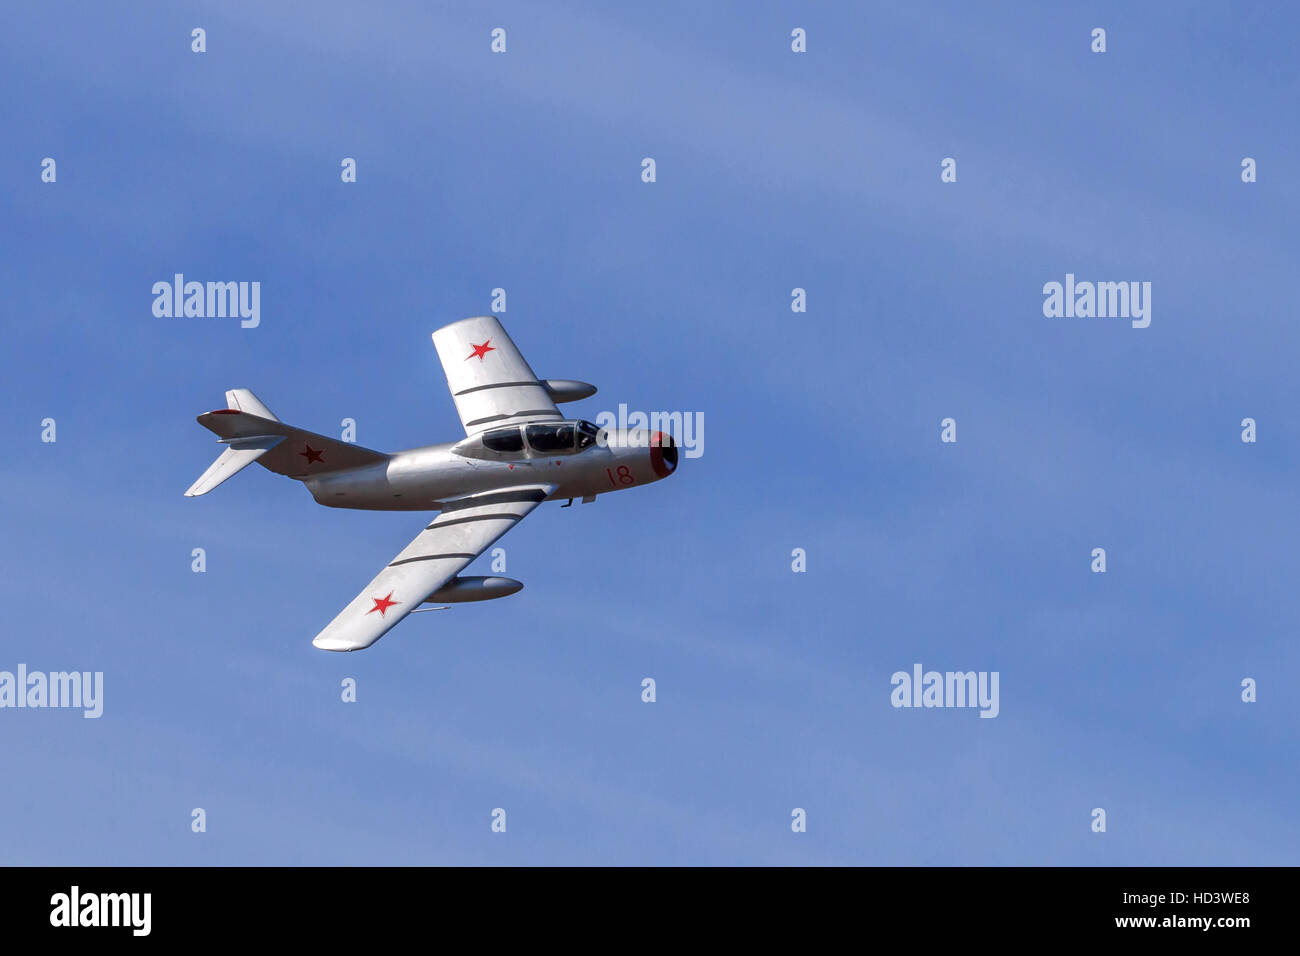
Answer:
(663, 454)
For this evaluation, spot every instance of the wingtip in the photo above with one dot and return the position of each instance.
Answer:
(332, 644)
(468, 318)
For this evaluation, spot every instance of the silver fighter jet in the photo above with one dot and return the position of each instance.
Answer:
(518, 451)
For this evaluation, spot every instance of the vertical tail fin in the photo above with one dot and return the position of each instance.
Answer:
(251, 430)
(242, 400)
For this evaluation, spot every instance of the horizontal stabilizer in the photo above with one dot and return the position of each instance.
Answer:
(241, 453)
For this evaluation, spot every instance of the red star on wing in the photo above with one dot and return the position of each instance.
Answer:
(383, 604)
(311, 454)
(480, 351)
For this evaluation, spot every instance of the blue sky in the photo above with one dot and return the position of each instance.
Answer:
(775, 171)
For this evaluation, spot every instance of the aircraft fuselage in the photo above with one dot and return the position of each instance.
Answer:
(420, 479)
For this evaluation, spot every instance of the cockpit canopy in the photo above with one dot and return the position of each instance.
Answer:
(547, 438)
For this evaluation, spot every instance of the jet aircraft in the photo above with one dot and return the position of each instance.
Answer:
(518, 451)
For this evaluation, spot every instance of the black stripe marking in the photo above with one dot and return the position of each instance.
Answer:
(479, 388)
(497, 498)
(534, 412)
(443, 524)
(433, 557)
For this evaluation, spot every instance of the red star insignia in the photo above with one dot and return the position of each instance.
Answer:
(311, 454)
(383, 604)
(480, 351)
